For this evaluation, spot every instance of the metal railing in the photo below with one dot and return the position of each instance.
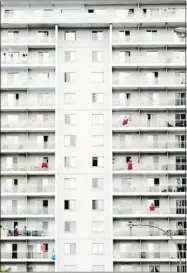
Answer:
(142, 80)
(149, 167)
(140, 144)
(123, 209)
(147, 255)
(142, 38)
(28, 210)
(28, 102)
(26, 166)
(28, 40)
(27, 124)
(25, 83)
(142, 232)
(117, 187)
(25, 255)
(135, 15)
(34, 188)
(28, 145)
(136, 121)
(146, 102)
(28, 61)
(117, 60)
(26, 233)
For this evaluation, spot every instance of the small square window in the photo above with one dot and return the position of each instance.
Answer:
(69, 183)
(97, 35)
(69, 98)
(69, 56)
(98, 98)
(70, 77)
(70, 35)
(97, 119)
(97, 56)
(97, 183)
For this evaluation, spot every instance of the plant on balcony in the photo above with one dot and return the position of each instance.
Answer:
(5, 269)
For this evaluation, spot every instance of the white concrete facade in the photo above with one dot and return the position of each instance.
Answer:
(71, 74)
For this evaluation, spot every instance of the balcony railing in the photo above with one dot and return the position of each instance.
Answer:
(25, 83)
(142, 232)
(150, 167)
(142, 38)
(27, 233)
(26, 166)
(147, 255)
(25, 255)
(27, 124)
(146, 102)
(34, 61)
(135, 60)
(29, 102)
(28, 40)
(138, 122)
(28, 146)
(34, 188)
(149, 189)
(26, 15)
(123, 209)
(28, 210)
(143, 80)
(139, 144)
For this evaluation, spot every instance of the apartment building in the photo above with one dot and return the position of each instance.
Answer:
(93, 136)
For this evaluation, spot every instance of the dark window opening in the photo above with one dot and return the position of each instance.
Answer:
(15, 182)
(127, 32)
(45, 203)
(157, 203)
(91, 11)
(94, 162)
(128, 158)
(66, 204)
(156, 181)
(46, 138)
(17, 96)
(46, 158)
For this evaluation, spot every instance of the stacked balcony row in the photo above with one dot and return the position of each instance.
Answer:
(28, 185)
(87, 14)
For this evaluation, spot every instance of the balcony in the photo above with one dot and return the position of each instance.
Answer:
(34, 63)
(37, 189)
(123, 167)
(17, 211)
(24, 84)
(143, 255)
(148, 62)
(27, 166)
(146, 232)
(44, 42)
(139, 144)
(141, 210)
(143, 39)
(27, 124)
(25, 255)
(120, 189)
(137, 123)
(141, 81)
(143, 103)
(28, 146)
(28, 103)
(98, 16)
(26, 233)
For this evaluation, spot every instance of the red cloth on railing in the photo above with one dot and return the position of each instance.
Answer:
(130, 165)
(44, 165)
(125, 121)
(152, 207)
